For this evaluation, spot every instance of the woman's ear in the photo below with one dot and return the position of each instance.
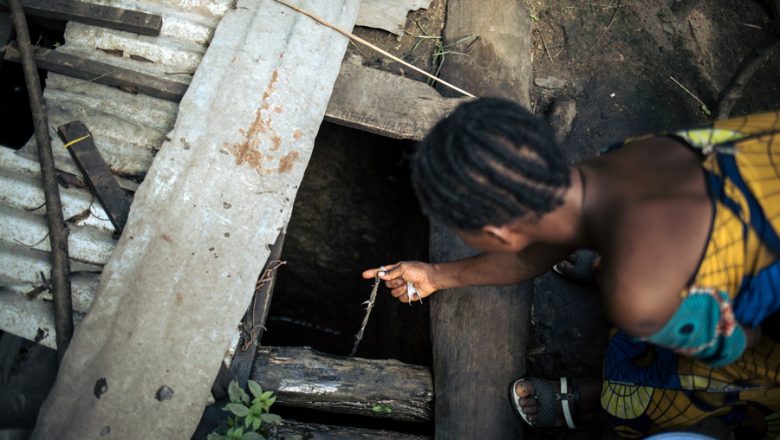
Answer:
(501, 234)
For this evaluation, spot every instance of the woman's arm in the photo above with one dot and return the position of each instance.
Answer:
(490, 268)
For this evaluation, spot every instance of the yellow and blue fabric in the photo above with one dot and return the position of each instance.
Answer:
(648, 386)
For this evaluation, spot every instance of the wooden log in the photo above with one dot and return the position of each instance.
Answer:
(312, 431)
(102, 73)
(363, 98)
(301, 377)
(101, 181)
(479, 335)
(96, 15)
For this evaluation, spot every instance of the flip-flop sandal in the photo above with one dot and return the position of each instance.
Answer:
(546, 400)
(582, 266)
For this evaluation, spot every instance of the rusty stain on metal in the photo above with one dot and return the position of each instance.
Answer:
(286, 163)
(249, 150)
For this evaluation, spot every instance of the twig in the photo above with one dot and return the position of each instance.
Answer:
(685, 89)
(58, 232)
(369, 306)
(609, 25)
(357, 39)
(32, 246)
(546, 49)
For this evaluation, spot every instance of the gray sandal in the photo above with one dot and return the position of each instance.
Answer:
(546, 399)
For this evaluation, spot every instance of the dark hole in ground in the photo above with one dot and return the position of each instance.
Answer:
(16, 126)
(355, 210)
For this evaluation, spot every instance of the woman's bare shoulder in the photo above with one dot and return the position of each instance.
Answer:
(653, 251)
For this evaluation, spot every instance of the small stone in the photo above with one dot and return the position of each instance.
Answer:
(164, 393)
(550, 82)
(561, 118)
(105, 431)
(101, 386)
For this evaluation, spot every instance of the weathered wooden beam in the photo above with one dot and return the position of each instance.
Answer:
(98, 176)
(312, 431)
(479, 334)
(386, 104)
(96, 15)
(102, 73)
(363, 98)
(301, 377)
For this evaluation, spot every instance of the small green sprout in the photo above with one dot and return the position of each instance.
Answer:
(250, 417)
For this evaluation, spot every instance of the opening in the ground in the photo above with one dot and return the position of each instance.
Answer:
(355, 209)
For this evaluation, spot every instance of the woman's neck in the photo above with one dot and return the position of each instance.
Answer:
(566, 225)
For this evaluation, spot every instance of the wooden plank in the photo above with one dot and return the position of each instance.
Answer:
(301, 377)
(363, 98)
(312, 431)
(102, 73)
(98, 176)
(473, 363)
(386, 104)
(254, 319)
(96, 15)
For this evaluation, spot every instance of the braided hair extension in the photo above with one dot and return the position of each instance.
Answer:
(489, 162)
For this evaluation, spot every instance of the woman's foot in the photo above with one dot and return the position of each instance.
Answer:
(556, 403)
(545, 403)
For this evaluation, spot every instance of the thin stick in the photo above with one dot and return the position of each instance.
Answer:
(357, 39)
(703, 107)
(609, 25)
(58, 233)
(545, 48)
(369, 306)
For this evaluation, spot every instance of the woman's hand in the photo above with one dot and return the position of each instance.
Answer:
(397, 277)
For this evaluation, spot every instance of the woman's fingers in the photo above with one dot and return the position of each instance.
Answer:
(396, 282)
(371, 273)
(399, 291)
(392, 272)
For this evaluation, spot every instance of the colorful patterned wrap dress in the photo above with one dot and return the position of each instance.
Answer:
(648, 386)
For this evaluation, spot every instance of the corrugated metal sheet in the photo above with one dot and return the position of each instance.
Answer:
(128, 130)
(25, 309)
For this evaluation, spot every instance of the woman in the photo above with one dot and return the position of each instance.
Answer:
(686, 226)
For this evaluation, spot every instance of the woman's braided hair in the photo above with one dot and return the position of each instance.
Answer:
(489, 162)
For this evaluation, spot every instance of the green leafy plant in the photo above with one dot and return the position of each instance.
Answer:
(250, 417)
